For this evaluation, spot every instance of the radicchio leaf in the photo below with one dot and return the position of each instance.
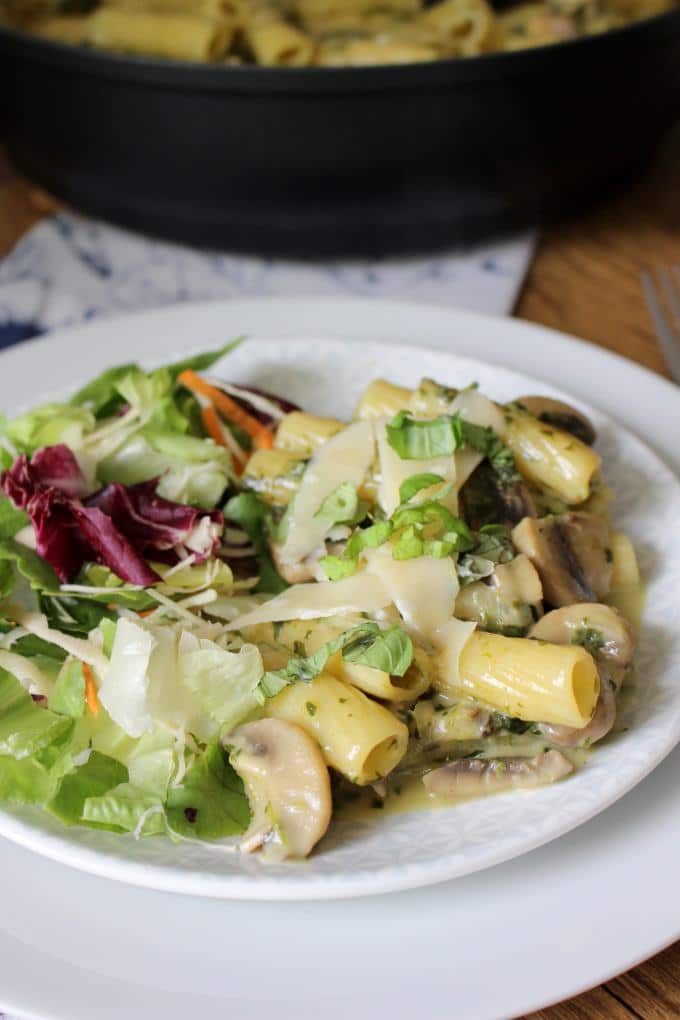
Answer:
(52, 467)
(154, 524)
(117, 526)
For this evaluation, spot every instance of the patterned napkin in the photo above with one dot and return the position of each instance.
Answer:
(68, 270)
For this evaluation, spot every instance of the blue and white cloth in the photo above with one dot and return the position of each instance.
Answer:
(68, 270)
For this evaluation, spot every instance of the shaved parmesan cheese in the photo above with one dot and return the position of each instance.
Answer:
(474, 407)
(451, 639)
(394, 470)
(345, 457)
(86, 651)
(479, 410)
(361, 593)
(423, 589)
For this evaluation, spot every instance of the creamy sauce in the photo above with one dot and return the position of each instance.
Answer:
(407, 792)
(631, 602)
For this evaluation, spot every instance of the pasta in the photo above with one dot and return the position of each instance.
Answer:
(324, 33)
(179, 36)
(430, 595)
(357, 736)
(528, 679)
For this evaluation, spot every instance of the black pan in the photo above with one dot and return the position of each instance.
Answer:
(339, 161)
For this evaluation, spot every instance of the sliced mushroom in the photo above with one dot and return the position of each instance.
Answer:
(504, 604)
(485, 501)
(288, 787)
(588, 538)
(470, 777)
(561, 415)
(598, 727)
(602, 629)
(606, 633)
(570, 554)
(442, 725)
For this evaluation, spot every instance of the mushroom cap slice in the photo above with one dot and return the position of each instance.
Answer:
(471, 777)
(601, 629)
(598, 727)
(287, 783)
(561, 415)
(570, 553)
(486, 501)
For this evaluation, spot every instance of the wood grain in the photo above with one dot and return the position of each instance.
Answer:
(585, 280)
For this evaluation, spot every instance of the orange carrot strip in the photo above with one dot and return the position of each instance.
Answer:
(262, 437)
(212, 425)
(90, 690)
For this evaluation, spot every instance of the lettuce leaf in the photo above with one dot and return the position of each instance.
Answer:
(252, 515)
(68, 696)
(25, 727)
(34, 568)
(125, 808)
(28, 780)
(224, 683)
(101, 394)
(211, 802)
(49, 425)
(11, 518)
(97, 776)
(190, 469)
(166, 675)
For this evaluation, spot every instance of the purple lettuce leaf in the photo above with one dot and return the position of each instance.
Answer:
(118, 526)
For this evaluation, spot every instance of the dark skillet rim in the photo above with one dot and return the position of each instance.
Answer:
(178, 74)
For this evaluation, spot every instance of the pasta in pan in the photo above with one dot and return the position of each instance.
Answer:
(247, 616)
(322, 33)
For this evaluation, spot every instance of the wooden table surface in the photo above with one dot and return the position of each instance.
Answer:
(585, 280)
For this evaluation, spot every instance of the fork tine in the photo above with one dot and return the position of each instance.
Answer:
(669, 342)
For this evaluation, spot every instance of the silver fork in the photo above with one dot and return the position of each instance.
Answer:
(667, 327)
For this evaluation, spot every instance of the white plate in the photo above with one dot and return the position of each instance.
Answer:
(486, 947)
(411, 849)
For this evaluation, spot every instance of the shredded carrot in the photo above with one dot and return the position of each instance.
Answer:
(145, 612)
(262, 437)
(212, 425)
(90, 690)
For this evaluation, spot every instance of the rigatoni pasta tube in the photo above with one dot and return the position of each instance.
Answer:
(274, 475)
(275, 43)
(466, 27)
(230, 10)
(382, 399)
(72, 29)
(301, 433)
(177, 36)
(358, 737)
(313, 634)
(549, 456)
(372, 52)
(527, 679)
